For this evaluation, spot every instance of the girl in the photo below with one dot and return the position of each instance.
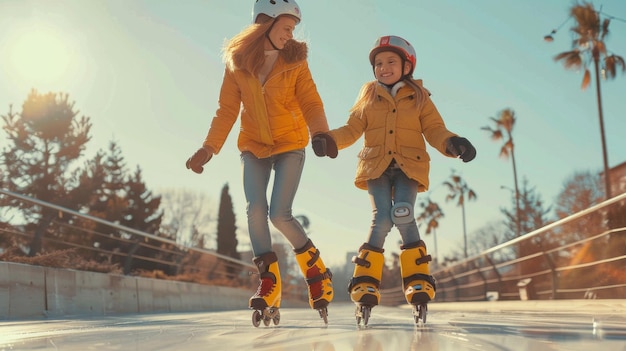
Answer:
(267, 73)
(396, 114)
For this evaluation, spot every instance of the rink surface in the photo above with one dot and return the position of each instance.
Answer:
(589, 325)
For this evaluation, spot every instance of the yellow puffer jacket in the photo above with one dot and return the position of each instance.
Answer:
(395, 128)
(275, 117)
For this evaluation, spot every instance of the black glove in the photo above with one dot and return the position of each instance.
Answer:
(324, 145)
(461, 147)
(199, 159)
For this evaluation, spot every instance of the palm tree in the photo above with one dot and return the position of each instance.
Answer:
(588, 46)
(503, 128)
(431, 213)
(459, 191)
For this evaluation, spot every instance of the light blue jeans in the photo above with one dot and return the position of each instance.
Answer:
(393, 186)
(256, 176)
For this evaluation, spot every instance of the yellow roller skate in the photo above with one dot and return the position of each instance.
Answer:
(266, 301)
(419, 286)
(363, 286)
(318, 278)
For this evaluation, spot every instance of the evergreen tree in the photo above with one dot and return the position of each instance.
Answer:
(143, 214)
(46, 139)
(532, 212)
(226, 228)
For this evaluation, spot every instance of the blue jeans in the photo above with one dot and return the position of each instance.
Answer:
(393, 186)
(256, 176)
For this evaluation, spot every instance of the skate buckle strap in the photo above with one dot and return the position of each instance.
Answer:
(314, 256)
(423, 259)
(362, 261)
(318, 278)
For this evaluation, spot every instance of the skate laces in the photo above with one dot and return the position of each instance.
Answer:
(266, 287)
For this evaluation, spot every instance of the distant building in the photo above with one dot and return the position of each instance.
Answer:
(617, 179)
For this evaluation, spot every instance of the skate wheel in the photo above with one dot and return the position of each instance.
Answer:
(256, 318)
(365, 311)
(276, 318)
(324, 314)
(419, 314)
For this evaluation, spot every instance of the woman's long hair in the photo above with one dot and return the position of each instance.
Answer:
(245, 51)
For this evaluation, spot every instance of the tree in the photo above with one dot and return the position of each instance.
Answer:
(503, 128)
(187, 216)
(532, 212)
(430, 215)
(458, 190)
(142, 214)
(45, 142)
(226, 227)
(580, 191)
(589, 46)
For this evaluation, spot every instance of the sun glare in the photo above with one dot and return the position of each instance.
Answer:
(38, 55)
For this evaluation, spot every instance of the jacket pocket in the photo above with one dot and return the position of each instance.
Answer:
(415, 154)
(369, 152)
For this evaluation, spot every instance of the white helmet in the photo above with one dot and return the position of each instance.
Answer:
(275, 8)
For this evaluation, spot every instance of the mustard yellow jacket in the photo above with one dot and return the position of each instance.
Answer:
(277, 116)
(395, 128)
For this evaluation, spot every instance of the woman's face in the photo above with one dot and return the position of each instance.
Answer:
(388, 67)
(281, 31)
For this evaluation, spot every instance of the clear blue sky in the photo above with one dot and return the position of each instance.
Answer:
(148, 74)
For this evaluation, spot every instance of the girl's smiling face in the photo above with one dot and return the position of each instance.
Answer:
(388, 67)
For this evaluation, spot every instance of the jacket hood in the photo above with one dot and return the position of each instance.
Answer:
(294, 51)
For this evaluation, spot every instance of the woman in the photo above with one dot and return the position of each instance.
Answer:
(267, 74)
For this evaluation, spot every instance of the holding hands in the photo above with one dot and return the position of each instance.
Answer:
(324, 145)
(462, 148)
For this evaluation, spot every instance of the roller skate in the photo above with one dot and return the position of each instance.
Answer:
(419, 286)
(363, 286)
(318, 278)
(266, 301)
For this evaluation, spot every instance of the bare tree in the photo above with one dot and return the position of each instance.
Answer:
(187, 216)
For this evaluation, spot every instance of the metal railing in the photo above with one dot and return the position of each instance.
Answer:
(81, 241)
(580, 256)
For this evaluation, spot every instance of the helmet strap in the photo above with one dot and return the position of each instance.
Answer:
(267, 34)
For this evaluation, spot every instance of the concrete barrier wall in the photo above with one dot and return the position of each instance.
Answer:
(33, 292)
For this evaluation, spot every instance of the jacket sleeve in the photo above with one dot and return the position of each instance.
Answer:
(310, 101)
(433, 126)
(229, 105)
(349, 133)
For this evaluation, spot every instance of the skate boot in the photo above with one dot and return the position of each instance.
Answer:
(318, 278)
(363, 287)
(419, 286)
(266, 301)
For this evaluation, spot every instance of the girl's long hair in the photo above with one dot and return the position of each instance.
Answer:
(368, 95)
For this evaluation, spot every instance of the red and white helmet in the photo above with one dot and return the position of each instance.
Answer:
(275, 8)
(396, 44)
